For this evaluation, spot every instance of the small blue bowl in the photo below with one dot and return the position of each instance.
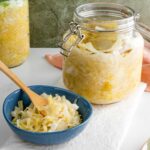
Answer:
(46, 138)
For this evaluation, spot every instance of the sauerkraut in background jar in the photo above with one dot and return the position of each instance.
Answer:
(102, 52)
(14, 32)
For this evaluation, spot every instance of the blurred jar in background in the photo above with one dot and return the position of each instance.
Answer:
(14, 32)
(145, 32)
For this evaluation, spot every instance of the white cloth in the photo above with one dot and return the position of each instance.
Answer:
(105, 131)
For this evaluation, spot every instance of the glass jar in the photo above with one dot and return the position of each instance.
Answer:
(14, 32)
(102, 52)
(145, 32)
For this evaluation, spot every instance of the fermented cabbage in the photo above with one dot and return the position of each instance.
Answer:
(59, 114)
(104, 67)
(14, 32)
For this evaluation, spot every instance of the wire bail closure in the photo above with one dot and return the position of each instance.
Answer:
(74, 29)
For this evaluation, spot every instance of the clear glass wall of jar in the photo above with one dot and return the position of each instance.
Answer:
(145, 31)
(14, 32)
(105, 66)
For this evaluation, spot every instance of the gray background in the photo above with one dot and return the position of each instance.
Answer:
(49, 18)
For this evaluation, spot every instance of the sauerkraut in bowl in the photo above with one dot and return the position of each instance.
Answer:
(58, 115)
(106, 65)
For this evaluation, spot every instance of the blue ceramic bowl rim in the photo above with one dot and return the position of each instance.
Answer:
(54, 132)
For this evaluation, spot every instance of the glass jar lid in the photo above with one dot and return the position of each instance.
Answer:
(100, 17)
(104, 13)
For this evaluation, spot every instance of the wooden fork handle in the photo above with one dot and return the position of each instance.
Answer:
(13, 77)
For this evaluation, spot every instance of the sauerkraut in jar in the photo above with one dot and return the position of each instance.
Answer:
(14, 32)
(102, 52)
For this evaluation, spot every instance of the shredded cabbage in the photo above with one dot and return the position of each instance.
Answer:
(59, 114)
(104, 67)
(14, 29)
